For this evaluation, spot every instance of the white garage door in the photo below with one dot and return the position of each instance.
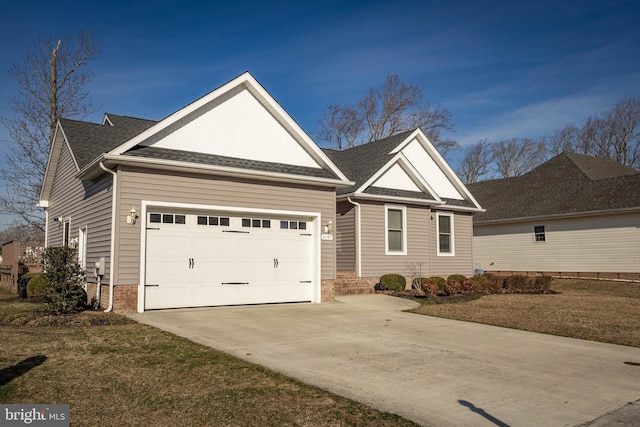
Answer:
(207, 259)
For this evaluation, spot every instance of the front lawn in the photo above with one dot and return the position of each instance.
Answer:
(599, 310)
(113, 371)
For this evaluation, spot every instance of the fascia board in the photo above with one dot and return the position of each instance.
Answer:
(377, 197)
(415, 175)
(263, 96)
(292, 126)
(111, 160)
(443, 164)
(52, 163)
(557, 216)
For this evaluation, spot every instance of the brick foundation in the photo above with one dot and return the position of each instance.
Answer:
(347, 283)
(125, 297)
(327, 291)
(635, 277)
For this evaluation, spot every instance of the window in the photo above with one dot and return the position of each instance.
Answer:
(293, 225)
(212, 220)
(538, 234)
(445, 234)
(256, 223)
(167, 218)
(395, 219)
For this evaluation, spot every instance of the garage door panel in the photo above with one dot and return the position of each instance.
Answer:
(196, 264)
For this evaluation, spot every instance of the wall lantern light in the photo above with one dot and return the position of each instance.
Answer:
(329, 227)
(132, 217)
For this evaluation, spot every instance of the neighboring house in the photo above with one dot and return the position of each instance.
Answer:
(222, 202)
(407, 212)
(228, 201)
(574, 215)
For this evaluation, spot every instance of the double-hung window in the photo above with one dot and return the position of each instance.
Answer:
(539, 234)
(445, 233)
(396, 230)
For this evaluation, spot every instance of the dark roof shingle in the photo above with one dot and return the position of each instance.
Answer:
(232, 162)
(566, 184)
(89, 140)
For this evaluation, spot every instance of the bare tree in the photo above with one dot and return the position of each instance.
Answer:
(613, 134)
(392, 108)
(341, 126)
(565, 139)
(517, 156)
(476, 162)
(52, 83)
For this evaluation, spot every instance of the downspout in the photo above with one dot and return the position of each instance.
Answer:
(46, 227)
(113, 238)
(358, 234)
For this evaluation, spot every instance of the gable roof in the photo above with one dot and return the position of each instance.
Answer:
(129, 140)
(87, 140)
(255, 96)
(567, 184)
(369, 164)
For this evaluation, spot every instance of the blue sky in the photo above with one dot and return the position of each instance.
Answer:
(502, 68)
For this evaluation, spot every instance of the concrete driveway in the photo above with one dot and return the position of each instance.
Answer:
(434, 371)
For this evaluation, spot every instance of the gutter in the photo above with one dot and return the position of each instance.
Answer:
(113, 238)
(358, 234)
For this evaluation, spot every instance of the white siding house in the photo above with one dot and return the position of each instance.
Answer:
(575, 215)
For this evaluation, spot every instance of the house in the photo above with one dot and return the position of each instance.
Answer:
(574, 215)
(228, 201)
(407, 213)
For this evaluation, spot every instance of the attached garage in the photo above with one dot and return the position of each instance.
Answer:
(223, 257)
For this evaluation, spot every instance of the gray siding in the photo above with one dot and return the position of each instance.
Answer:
(374, 260)
(462, 262)
(421, 244)
(346, 236)
(137, 184)
(86, 204)
(603, 243)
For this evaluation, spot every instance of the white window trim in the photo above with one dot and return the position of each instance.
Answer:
(544, 234)
(451, 223)
(66, 232)
(386, 229)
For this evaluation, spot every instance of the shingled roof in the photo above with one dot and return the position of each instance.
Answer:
(231, 162)
(89, 140)
(569, 183)
(361, 162)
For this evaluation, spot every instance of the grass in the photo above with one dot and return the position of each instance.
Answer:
(603, 311)
(113, 371)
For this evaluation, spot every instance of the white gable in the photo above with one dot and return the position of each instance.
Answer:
(235, 124)
(430, 171)
(396, 178)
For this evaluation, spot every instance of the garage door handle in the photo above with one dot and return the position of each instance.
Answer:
(235, 283)
(275, 263)
(191, 262)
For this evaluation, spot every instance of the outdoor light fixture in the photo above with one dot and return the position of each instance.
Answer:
(329, 227)
(132, 217)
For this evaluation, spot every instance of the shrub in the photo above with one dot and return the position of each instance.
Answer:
(64, 279)
(494, 283)
(37, 285)
(430, 289)
(517, 283)
(438, 281)
(542, 284)
(458, 278)
(393, 282)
